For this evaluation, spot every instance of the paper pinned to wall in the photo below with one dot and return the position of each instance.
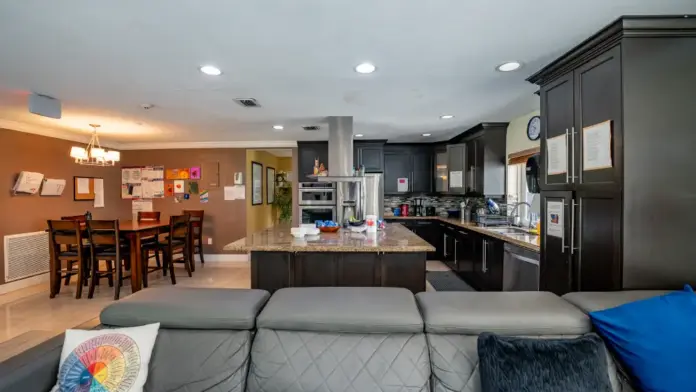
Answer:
(402, 184)
(596, 147)
(131, 175)
(98, 192)
(557, 155)
(554, 219)
(82, 186)
(179, 186)
(28, 182)
(235, 192)
(52, 187)
(456, 179)
(141, 205)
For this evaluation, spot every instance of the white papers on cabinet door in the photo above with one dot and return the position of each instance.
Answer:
(456, 179)
(557, 155)
(402, 184)
(554, 219)
(596, 146)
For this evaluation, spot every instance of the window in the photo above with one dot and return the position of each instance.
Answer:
(517, 192)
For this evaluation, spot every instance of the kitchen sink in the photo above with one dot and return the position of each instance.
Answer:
(507, 230)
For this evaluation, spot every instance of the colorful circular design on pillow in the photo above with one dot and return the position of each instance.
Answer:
(106, 363)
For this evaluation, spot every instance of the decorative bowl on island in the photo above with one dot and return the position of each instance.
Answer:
(329, 229)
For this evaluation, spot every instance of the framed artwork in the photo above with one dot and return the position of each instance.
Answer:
(195, 173)
(177, 174)
(256, 183)
(270, 185)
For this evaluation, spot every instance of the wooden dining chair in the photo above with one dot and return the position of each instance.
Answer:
(150, 216)
(105, 244)
(65, 244)
(175, 247)
(196, 234)
(85, 245)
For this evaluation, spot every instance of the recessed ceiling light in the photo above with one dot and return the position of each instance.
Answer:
(509, 66)
(365, 68)
(446, 116)
(359, 135)
(426, 134)
(210, 70)
(278, 127)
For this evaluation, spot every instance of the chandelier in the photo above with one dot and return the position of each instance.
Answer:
(94, 154)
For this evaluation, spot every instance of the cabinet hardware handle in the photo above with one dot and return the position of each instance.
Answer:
(572, 154)
(463, 232)
(444, 245)
(572, 227)
(580, 245)
(567, 171)
(456, 262)
(484, 268)
(563, 245)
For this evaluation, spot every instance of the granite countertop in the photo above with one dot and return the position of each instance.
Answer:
(394, 238)
(527, 241)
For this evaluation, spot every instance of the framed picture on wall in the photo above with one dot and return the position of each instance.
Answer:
(270, 185)
(256, 183)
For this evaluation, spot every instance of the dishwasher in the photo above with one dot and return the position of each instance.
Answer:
(520, 269)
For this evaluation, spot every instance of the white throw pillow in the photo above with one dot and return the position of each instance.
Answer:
(113, 360)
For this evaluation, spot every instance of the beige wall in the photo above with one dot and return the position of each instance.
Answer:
(517, 139)
(284, 164)
(260, 216)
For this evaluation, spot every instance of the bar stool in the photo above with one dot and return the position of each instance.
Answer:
(105, 244)
(65, 239)
(196, 233)
(175, 247)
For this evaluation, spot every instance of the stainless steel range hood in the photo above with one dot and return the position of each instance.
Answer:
(340, 149)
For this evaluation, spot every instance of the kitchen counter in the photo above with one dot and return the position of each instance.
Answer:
(527, 241)
(394, 238)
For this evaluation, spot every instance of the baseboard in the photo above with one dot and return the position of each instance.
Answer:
(224, 258)
(20, 284)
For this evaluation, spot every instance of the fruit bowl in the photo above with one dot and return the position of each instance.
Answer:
(357, 223)
(329, 229)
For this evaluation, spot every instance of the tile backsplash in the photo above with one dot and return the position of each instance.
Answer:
(441, 203)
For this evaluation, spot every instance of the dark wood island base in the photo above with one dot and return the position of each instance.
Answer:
(275, 270)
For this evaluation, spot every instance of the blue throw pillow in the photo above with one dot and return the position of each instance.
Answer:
(655, 338)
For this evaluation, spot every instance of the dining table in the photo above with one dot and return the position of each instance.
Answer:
(135, 231)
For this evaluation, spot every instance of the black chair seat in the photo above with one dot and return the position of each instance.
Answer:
(68, 253)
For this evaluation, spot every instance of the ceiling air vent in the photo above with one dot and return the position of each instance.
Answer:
(248, 102)
(311, 127)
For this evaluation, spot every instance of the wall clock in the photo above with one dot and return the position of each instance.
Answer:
(534, 128)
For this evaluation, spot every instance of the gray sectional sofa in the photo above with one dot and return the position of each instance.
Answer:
(324, 339)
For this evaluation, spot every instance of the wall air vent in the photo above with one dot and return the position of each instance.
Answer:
(248, 102)
(311, 128)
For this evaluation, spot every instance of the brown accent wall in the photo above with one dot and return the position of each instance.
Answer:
(225, 221)
(26, 213)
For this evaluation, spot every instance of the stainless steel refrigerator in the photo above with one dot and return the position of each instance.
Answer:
(374, 194)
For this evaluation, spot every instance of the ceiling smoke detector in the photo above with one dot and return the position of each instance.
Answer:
(147, 106)
(248, 102)
(311, 127)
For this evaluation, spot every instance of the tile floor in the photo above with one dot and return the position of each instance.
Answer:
(29, 317)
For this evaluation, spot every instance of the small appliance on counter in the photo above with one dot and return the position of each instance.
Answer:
(430, 211)
(396, 211)
(404, 209)
(418, 207)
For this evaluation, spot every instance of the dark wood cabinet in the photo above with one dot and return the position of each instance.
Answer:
(493, 253)
(370, 154)
(422, 171)
(396, 166)
(480, 154)
(625, 225)
(307, 152)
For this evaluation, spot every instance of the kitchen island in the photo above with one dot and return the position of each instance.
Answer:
(393, 257)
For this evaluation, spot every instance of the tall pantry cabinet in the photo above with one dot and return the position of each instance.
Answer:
(628, 224)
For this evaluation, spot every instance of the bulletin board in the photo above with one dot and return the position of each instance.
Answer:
(83, 188)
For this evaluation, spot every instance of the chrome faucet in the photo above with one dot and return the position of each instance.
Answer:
(513, 213)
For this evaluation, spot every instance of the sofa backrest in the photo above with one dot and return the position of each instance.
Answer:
(340, 339)
(204, 339)
(453, 321)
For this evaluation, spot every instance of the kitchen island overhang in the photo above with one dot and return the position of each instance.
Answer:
(393, 257)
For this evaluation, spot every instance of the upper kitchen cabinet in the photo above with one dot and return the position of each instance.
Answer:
(307, 152)
(412, 162)
(440, 174)
(476, 161)
(618, 111)
(370, 154)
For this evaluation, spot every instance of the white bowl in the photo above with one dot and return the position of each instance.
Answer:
(312, 231)
(298, 232)
(308, 226)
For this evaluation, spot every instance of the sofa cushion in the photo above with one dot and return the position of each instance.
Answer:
(187, 308)
(590, 301)
(655, 338)
(298, 361)
(506, 313)
(510, 364)
(342, 309)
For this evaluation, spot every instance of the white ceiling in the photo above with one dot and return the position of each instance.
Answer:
(103, 59)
